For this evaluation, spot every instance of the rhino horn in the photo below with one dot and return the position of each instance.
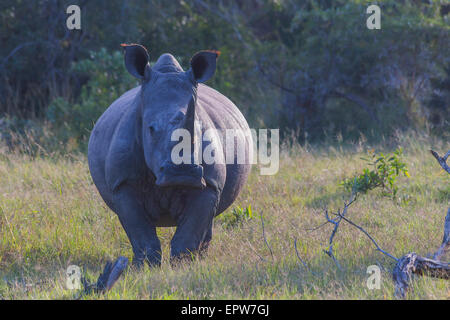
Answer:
(189, 119)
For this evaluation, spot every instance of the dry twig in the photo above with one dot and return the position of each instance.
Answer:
(370, 237)
(336, 222)
(300, 259)
(264, 236)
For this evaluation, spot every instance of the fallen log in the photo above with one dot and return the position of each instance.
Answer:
(413, 264)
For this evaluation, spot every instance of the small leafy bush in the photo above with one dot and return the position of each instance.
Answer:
(236, 217)
(382, 173)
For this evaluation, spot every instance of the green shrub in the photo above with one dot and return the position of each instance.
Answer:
(384, 173)
(236, 217)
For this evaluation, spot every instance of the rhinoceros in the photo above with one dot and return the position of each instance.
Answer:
(129, 155)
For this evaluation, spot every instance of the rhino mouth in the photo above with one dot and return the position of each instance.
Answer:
(183, 175)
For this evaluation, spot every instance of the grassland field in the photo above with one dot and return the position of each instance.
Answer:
(51, 216)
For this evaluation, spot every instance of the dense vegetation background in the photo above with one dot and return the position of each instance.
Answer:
(311, 68)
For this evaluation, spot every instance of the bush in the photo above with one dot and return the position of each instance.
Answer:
(236, 217)
(386, 169)
(108, 79)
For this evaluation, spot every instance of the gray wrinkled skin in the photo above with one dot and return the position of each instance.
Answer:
(130, 163)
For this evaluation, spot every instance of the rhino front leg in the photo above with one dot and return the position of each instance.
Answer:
(140, 232)
(194, 230)
(204, 245)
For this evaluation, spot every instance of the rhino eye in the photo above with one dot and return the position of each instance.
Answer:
(152, 129)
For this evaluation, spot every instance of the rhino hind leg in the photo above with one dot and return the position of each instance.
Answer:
(194, 231)
(142, 235)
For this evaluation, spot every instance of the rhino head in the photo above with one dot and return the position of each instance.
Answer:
(167, 102)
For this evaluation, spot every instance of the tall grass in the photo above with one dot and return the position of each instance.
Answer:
(51, 216)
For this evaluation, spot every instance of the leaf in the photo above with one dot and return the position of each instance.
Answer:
(249, 210)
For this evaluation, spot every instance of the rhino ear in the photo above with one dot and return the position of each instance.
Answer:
(203, 65)
(136, 60)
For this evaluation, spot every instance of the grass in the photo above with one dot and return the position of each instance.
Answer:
(51, 216)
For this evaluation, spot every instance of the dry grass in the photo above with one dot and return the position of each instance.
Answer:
(51, 216)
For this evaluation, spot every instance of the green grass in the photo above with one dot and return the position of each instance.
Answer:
(51, 216)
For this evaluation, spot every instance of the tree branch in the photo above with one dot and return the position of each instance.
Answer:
(446, 240)
(370, 237)
(13, 52)
(336, 223)
(442, 160)
(357, 100)
(300, 259)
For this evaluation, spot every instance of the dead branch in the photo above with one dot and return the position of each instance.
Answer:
(329, 251)
(370, 237)
(442, 160)
(341, 216)
(336, 222)
(446, 240)
(264, 236)
(300, 259)
(317, 227)
(108, 278)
